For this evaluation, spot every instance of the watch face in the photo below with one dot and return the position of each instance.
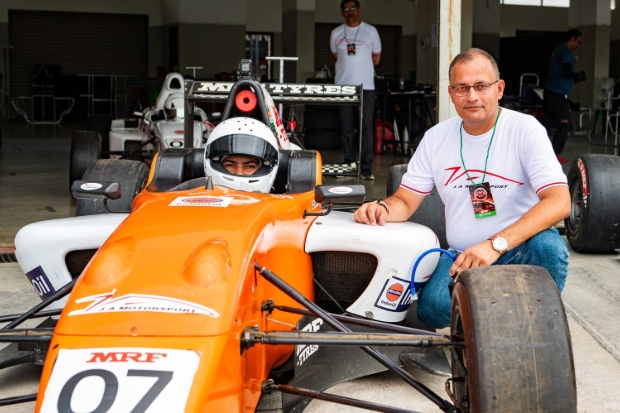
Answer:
(499, 244)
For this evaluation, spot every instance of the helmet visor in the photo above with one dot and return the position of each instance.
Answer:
(242, 144)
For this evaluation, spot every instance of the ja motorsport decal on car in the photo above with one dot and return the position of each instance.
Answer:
(209, 201)
(395, 295)
(302, 351)
(41, 283)
(90, 186)
(584, 182)
(107, 303)
(340, 190)
(116, 379)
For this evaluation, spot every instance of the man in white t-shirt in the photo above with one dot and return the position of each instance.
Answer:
(499, 179)
(357, 49)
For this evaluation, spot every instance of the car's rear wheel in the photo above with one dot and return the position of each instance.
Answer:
(517, 354)
(592, 226)
(85, 149)
(101, 124)
(131, 175)
(431, 213)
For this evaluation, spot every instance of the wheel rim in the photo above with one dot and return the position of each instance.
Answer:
(576, 199)
(460, 386)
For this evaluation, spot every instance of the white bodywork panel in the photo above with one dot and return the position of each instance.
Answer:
(45, 244)
(396, 246)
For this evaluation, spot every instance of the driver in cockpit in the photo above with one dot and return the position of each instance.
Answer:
(242, 154)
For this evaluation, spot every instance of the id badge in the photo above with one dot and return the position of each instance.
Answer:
(482, 200)
(351, 49)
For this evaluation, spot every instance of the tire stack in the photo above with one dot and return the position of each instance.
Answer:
(322, 128)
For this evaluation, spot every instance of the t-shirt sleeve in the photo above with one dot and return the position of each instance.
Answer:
(419, 175)
(332, 42)
(567, 57)
(540, 161)
(376, 41)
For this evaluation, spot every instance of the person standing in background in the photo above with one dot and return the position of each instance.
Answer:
(560, 82)
(356, 47)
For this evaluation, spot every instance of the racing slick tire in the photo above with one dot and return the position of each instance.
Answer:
(431, 212)
(517, 354)
(101, 124)
(131, 175)
(592, 226)
(85, 149)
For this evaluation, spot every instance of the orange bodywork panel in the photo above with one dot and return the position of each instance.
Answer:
(202, 255)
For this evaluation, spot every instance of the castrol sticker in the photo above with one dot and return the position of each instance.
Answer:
(202, 201)
(395, 295)
(90, 186)
(120, 379)
(340, 190)
(584, 182)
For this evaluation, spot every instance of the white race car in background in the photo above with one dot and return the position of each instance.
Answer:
(159, 126)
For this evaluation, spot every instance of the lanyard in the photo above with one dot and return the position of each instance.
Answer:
(488, 150)
(345, 32)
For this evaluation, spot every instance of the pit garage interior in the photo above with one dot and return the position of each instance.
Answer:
(62, 62)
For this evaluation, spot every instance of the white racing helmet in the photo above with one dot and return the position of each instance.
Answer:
(242, 136)
(174, 106)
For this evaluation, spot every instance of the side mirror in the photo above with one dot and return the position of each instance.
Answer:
(96, 190)
(138, 115)
(215, 115)
(338, 194)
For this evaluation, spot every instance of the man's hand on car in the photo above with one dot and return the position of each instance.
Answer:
(371, 213)
(479, 255)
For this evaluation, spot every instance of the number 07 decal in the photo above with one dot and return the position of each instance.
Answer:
(120, 380)
(111, 389)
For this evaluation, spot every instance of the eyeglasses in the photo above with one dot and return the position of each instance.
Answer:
(480, 88)
(347, 9)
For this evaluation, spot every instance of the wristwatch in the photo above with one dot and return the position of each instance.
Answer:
(499, 244)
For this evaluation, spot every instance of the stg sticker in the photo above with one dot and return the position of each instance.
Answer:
(120, 379)
(107, 303)
(90, 186)
(202, 201)
(395, 295)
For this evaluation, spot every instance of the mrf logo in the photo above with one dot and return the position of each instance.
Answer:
(584, 182)
(124, 357)
(304, 351)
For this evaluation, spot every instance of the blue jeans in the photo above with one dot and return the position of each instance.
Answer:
(546, 249)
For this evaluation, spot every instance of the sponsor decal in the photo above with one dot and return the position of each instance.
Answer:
(209, 201)
(302, 352)
(107, 303)
(284, 89)
(125, 356)
(41, 282)
(584, 182)
(394, 292)
(117, 379)
(176, 144)
(179, 132)
(395, 295)
(90, 186)
(340, 190)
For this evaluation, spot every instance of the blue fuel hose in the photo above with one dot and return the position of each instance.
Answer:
(424, 254)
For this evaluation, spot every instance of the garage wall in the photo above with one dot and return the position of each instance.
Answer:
(551, 19)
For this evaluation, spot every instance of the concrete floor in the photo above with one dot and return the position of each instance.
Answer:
(34, 164)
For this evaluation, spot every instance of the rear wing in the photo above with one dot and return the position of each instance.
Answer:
(291, 93)
(286, 93)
